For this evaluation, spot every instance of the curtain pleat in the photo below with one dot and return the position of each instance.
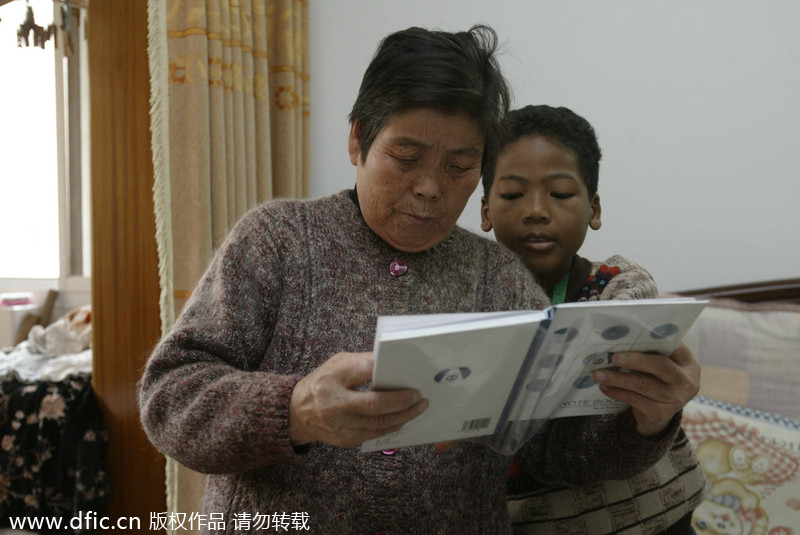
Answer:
(229, 117)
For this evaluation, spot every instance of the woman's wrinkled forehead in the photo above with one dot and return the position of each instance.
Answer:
(427, 129)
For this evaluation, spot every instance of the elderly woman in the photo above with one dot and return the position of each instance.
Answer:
(260, 382)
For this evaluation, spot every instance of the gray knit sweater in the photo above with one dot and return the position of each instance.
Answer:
(294, 283)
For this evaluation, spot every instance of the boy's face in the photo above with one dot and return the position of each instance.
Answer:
(539, 206)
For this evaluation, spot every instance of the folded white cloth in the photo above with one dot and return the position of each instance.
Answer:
(70, 333)
(52, 353)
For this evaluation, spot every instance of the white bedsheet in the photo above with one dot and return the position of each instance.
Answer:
(26, 365)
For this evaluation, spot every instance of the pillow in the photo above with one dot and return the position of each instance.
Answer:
(751, 460)
(750, 354)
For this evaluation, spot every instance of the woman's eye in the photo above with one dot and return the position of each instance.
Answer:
(463, 169)
(405, 162)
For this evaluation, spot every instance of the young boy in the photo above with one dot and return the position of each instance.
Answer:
(540, 198)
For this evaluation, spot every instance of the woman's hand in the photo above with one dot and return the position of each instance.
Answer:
(656, 387)
(325, 406)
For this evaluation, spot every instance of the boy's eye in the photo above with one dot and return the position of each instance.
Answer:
(564, 195)
(510, 196)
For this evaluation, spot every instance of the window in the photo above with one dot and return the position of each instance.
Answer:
(44, 173)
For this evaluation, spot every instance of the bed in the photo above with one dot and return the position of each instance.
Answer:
(745, 423)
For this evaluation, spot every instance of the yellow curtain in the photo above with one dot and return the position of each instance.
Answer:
(229, 123)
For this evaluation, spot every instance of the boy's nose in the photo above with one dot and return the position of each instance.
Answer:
(537, 209)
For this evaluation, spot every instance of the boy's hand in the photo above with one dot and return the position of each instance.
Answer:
(655, 387)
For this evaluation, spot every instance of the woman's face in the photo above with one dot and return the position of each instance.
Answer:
(418, 175)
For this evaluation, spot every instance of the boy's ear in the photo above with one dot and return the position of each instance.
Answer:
(353, 143)
(594, 222)
(486, 222)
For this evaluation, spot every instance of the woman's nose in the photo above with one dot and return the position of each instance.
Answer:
(428, 184)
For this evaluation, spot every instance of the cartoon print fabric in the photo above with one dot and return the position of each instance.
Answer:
(751, 460)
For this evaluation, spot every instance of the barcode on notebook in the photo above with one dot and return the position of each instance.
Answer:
(472, 425)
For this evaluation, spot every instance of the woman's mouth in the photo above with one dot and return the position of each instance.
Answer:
(418, 218)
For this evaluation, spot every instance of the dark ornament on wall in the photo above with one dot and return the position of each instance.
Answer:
(40, 34)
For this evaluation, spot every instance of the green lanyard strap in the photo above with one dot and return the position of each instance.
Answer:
(560, 290)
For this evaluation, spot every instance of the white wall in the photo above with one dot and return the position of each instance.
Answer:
(696, 105)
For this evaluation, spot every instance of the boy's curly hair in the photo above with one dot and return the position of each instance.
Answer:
(560, 125)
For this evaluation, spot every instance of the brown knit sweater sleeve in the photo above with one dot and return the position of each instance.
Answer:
(203, 399)
(631, 282)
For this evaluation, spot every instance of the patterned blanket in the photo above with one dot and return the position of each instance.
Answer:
(751, 459)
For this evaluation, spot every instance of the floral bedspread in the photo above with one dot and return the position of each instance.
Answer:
(52, 450)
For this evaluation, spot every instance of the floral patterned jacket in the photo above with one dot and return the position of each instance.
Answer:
(52, 450)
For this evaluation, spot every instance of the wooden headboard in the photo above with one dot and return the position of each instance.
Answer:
(778, 291)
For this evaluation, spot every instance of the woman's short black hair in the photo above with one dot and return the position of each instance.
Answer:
(419, 68)
(560, 125)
